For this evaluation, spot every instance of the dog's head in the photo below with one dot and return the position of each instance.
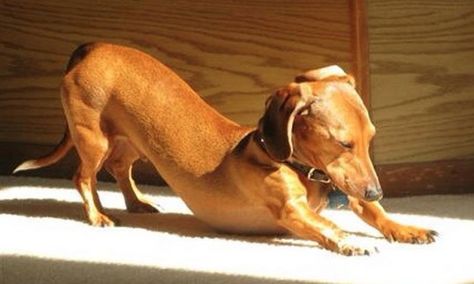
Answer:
(321, 121)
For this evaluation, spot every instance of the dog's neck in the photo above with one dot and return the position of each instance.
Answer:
(311, 173)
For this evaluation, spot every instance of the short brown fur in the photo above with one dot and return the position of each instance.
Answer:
(122, 105)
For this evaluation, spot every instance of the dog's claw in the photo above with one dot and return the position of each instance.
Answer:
(431, 236)
(390, 238)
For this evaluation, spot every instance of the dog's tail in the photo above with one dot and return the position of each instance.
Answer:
(58, 153)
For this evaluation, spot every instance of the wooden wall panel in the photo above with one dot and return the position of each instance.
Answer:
(234, 53)
(422, 79)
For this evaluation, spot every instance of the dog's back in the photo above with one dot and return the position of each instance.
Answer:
(139, 98)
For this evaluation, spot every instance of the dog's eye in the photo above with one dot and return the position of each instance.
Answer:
(346, 145)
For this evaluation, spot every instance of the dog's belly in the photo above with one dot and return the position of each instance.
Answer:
(242, 220)
(226, 209)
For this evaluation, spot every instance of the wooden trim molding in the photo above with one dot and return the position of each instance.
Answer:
(360, 45)
(441, 177)
(14, 153)
(438, 177)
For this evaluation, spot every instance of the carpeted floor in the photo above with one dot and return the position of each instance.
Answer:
(44, 239)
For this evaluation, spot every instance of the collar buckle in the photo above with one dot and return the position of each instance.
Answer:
(318, 175)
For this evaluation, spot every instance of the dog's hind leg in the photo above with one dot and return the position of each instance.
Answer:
(119, 165)
(92, 147)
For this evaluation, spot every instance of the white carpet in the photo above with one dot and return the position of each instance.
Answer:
(44, 239)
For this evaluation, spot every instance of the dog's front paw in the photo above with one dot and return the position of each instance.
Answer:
(408, 234)
(347, 247)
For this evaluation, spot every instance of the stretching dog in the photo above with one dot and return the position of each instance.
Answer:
(122, 105)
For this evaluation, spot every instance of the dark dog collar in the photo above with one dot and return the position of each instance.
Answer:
(312, 174)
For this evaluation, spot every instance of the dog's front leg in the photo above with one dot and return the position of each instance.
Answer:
(374, 214)
(297, 217)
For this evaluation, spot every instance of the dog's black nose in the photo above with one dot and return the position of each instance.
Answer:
(373, 194)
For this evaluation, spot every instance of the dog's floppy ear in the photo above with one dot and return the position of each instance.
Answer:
(325, 73)
(276, 125)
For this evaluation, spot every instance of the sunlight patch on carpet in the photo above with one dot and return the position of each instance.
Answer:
(56, 229)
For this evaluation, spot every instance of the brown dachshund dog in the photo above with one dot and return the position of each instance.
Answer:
(122, 105)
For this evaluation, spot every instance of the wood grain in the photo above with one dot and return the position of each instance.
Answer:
(360, 49)
(442, 177)
(234, 53)
(422, 79)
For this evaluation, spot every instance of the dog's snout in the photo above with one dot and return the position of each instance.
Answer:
(373, 194)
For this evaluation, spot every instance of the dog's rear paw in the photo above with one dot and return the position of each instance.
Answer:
(408, 234)
(143, 207)
(101, 220)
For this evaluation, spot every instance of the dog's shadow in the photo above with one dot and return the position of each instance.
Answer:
(173, 223)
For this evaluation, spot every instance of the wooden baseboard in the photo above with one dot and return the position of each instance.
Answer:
(440, 177)
(12, 154)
